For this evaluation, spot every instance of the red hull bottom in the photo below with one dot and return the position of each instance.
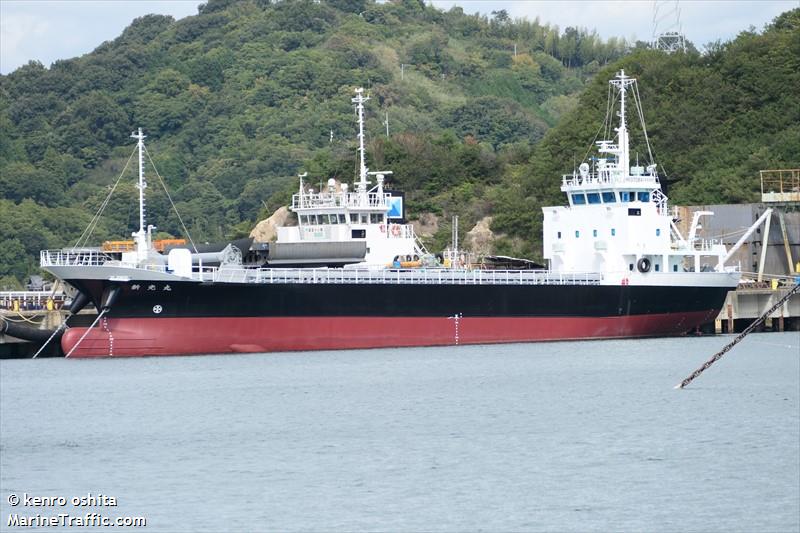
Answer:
(130, 337)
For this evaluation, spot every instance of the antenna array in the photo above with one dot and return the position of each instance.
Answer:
(667, 33)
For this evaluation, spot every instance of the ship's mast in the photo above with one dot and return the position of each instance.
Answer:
(361, 185)
(141, 235)
(622, 82)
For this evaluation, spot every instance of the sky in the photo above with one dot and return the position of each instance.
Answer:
(48, 30)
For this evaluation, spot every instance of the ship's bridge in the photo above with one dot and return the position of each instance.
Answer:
(608, 184)
(617, 221)
(337, 216)
(340, 207)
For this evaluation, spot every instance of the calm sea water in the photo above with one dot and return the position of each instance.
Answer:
(574, 436)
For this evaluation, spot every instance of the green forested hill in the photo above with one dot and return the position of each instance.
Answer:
(241, 97)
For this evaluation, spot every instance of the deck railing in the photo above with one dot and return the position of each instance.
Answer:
(569, 181)
(74, 257)
(352, 200)
(239, 274)
(30, 299)
(432, 276)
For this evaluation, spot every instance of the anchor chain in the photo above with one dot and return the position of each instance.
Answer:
(736, 341)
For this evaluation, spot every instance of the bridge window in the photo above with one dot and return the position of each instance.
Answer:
(364, 218)
(303, 219)
(559, 234)
(644, 196)
(334, 219)
(624, 196)
(658, 232)
(353, 218)
(577, 234)
(578, 199)
(609, 198)
(375, 218)
(594, 233)
(613, 232)
(594, 197)
(342, 219)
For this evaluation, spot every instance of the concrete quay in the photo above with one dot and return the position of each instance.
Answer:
(746, 304)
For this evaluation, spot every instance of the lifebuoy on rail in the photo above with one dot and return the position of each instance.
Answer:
(643, 265)
(395, 230)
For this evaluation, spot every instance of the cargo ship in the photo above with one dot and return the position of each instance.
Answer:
(340, 278)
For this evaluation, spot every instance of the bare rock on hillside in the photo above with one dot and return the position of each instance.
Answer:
(426, 226)
(480, 239)
(266, 230)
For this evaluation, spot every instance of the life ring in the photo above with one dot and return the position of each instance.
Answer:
(643, 265)
(395, 230)
(383, 228)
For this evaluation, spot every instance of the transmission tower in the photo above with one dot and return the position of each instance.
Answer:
(667, 33)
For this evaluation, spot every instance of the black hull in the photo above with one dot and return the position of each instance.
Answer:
(174, 318)
(185, 299)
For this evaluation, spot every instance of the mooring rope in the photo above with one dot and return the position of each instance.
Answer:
(59, 328)
(23, 318)
(99, 316)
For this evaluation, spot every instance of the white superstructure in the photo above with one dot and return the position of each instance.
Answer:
(338, 215)
(618, 223)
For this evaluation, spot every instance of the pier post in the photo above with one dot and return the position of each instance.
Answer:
(731, 327)
(764, 247)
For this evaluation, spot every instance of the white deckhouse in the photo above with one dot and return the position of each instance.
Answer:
(338, 215)
(617, 222)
